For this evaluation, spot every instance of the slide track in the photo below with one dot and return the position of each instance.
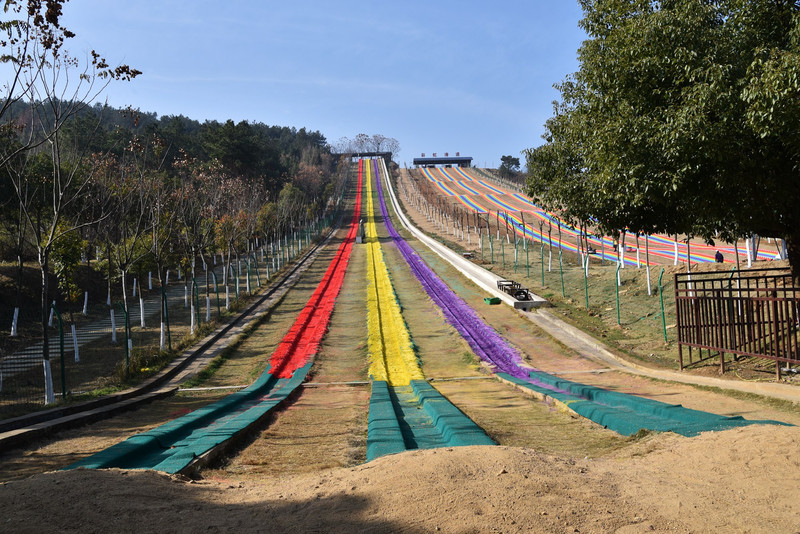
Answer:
(623, 413)
(180, 445)
(405, 412)
(19, 430)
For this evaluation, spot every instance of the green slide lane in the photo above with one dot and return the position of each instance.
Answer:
(173, 445)
(627, 414)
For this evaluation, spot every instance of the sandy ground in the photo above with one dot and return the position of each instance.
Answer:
(743, 480)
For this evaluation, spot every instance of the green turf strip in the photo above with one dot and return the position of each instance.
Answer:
(416, 417)
(627, 414)
(173, 445)
(456, 428)
(383, 429)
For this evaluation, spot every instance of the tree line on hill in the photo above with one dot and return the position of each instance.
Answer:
(682, 119)
(129, 188)
(367, 143)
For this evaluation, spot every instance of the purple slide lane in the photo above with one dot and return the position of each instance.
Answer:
(483, 339)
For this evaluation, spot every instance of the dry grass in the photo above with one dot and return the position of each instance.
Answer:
(326, 426)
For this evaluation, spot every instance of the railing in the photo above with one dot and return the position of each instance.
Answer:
(96, 352)
(746, 313)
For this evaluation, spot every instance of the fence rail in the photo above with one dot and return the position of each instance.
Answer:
(745, 313)
(101, 341)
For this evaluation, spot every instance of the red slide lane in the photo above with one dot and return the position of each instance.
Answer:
(303, 338)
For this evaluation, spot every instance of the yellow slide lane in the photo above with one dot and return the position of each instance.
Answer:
(391, 352)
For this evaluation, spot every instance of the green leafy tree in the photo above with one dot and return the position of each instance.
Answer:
(509, 165)
(66, 258)
(682, 119)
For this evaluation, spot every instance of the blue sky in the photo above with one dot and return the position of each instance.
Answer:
(443, 76)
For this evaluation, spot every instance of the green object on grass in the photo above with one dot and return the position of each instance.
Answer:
(492, 300)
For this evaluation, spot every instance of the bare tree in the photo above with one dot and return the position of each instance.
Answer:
(365, 143)
(232, 222)
(378, 141)
(198, 198)
(135, 182)
(45, 76)
(162, 215)
(28, 39)
(362, 143)
(391, 144)
(344, 146)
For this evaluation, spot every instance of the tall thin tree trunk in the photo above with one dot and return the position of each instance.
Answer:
(19, 243)
(647, 262)
(160, 269)
(44, 267)
(688, 256)
(48, 375)
(110, 274)
(127, 323)
(208, 284)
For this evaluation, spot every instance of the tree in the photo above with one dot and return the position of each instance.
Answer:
(66, 257)
(682, 119)
(362, 143)
(199, 199)
(390, 144)
(365, 143)
(236, 205)
(509, 166)
(135, 182)
(344, 146)
(233, 145)
(58, 87)
(31, 35)
(162, 222)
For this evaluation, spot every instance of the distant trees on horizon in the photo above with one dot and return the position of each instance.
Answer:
(367, 143)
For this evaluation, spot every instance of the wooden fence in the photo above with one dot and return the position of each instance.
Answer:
(745, 313)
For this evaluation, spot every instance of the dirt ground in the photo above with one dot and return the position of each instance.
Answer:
(552, 471)
(742, 480)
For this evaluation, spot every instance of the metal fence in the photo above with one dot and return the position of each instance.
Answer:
(94, 351)
(742, 313)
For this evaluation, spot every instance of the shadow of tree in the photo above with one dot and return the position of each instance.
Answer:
(136, 501)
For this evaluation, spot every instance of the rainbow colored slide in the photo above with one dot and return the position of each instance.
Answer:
(405, 412)
(625, 414)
